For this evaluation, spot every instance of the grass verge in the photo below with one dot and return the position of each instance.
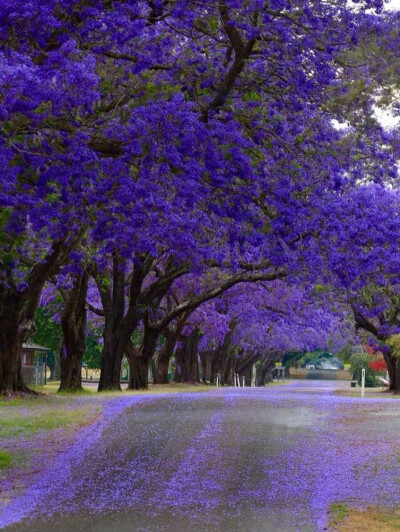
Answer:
(91, 389)
(343, 519)
(5, 459)
(278, 383)
(33, 431)
(45, 417)
(369, 392)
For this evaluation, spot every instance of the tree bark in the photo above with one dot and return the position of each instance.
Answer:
(12, 335)
(264, 372)
(18, 309)
(73, 323)
(57, 364)
(163, 357)
(161, 367)
(111, 360)
(139, 360)
(119, 326)
(187, 359)
(121, 319)
(208, 360)
(244, 367)
(393, 365)
(138, 373)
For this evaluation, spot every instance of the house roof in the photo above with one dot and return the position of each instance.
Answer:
(30, 346)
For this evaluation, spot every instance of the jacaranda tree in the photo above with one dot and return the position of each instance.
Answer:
(132, 131)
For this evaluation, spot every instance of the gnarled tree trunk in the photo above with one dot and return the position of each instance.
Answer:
(138, 373)
(118, 324)
(18, 308)
(12, 335)
(139, 360)
(208, 359)
(393, 366)
(73, 323)
(163, 357)
(264, 372)
(111, 361)
(161, 367)
(123, 310)
(187, 359)
(244, 367)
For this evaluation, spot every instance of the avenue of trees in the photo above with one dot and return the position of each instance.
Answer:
(203, 180)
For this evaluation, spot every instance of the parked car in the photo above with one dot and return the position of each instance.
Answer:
(383, 382)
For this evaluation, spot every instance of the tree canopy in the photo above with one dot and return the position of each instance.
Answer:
(162, 161)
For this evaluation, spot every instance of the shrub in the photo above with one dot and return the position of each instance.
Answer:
(360, 361)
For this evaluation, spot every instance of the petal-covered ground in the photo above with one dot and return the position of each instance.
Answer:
(265, 459)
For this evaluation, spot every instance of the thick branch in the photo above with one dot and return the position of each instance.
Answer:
(195, 302)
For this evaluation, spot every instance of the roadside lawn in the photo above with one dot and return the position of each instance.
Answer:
(343, 519)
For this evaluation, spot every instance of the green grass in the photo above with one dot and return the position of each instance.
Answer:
(278, 383)
(52, 388)
(11, 402)
(364, 520)
(27, 401)
(47, 416)
(338, 512)
(5, 459)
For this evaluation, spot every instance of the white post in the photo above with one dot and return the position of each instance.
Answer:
(238, 380)
(362, 382)
(217, 380)
(243, 382)
(253, 376)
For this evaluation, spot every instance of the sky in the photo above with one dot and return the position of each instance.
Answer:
(393, 4)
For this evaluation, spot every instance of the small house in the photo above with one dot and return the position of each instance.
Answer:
(33, 363)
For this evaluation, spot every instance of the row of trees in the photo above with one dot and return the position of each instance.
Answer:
(160, 158)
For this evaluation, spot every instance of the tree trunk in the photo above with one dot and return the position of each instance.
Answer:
(71, 359)
(206, 366)
(393, 366)
(119, 322)
(209, 360)
(73, 323)
(227, 368)
(161, 367)
(12, 334)
(264, 372)
(187, 359)
(10, 367)
(163, 357)
(18, 309)
(139, 360)
(111, 360)
(138, 373)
